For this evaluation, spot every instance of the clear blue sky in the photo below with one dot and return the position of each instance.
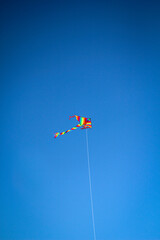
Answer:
(98, 59)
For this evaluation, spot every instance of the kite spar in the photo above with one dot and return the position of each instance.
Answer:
(84, 123)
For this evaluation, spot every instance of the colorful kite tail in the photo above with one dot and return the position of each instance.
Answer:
(56, 134)
(62, 133)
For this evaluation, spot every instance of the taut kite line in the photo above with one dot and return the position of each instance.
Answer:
(83, 123)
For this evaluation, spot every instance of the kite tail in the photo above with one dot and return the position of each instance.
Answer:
(62, 133)
(56, 134)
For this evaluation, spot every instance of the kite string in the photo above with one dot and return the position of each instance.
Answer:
(90, 185)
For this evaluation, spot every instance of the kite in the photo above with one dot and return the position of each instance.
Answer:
(83, 124)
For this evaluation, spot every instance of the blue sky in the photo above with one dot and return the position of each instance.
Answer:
(97, 59)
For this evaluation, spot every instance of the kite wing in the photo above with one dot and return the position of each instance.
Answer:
(83, 123)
